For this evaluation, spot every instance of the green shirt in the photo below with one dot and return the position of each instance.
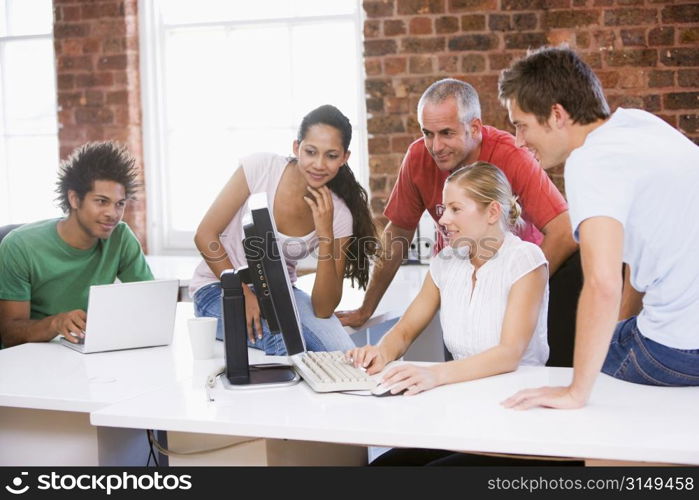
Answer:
(36, 265)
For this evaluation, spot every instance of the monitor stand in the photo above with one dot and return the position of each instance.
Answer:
(239, 374)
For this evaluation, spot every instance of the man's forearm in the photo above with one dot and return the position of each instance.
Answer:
(394, 249)
(19, 331)
(596, 320)
(557, 250)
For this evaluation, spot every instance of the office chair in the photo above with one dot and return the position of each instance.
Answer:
(6, 229)
(564, 292)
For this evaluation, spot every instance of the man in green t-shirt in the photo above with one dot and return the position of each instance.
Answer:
(47, 267)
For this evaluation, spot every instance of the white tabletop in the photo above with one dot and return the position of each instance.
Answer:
(51, 376)
(622, 421)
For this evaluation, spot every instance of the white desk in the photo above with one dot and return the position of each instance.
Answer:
(622, 421)
(47, 392)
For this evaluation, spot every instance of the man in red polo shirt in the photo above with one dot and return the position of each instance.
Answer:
(453, 136)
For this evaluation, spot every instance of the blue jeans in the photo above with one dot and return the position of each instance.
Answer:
(320, 334)
(635, 358)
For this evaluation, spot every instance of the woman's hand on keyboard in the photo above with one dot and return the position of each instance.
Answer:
(370, 357)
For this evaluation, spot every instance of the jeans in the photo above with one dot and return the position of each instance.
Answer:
(635, 358)
(320, 334)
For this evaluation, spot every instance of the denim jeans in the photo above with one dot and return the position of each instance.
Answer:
(635, 358)
(320, 334)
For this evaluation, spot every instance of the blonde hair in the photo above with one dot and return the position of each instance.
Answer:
(486, 183)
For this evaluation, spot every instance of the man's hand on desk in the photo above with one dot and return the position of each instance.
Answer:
(70, 324)
(548, 397)
(354, 318)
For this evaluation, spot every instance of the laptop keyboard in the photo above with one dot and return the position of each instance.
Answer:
(330, 372)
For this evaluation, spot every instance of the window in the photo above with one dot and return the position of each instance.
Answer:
(28, 120)
(225, 79)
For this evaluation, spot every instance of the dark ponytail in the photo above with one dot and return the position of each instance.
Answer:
(363, 244)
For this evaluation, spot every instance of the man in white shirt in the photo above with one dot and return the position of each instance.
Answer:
(631, 182)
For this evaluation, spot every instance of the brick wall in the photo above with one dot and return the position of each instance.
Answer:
(96, 44)
(646, 53)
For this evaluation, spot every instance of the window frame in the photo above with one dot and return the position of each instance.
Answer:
(162, 238)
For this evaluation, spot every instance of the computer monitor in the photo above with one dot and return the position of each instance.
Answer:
(268, 274)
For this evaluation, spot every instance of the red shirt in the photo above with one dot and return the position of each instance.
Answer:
(420, 184)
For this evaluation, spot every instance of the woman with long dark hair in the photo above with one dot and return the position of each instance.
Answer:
(318, 206)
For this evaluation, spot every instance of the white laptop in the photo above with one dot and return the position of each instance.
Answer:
(129, 316)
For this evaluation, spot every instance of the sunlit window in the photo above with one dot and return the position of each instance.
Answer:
(224, 79)
(28, 120)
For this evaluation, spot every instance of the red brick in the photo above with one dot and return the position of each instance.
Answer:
(374, 105)
(670, 119)
(689, 124)
(535, 4)
(661, 36)
(115, 62)
(372, 66)
(65, 81)
(632, 78)
(400, 143)
(380, 144)
(93, 115)
(500, 60)
(681, 100)
(680, 57)
(114, 45)
(499, 22)
(104, 79)
(378, 204)
(69, 14)
(422, 45)
(626, 17)
(447, 64)
(120, 97)
(72, 63)
(71, 30)
(462, 5)
(472, 63)
(651, 103)
(689, 36)
(377, 183)
(105, 28)
(582, 40)
(379, 47)
(635, 37)
(69, 99)
(473, 22)
(372, 29)
(608, 79)
(525, 22)
(395, 65)
(661, 79)
(681, 13)
(569, 19)
(385, 164)
(412, 7)
(632, 57)
(525, 40)
(421, 26)
(380, 8)
(625, 101)
(473, 42)
(446, 24)
(392, 27)
(420, 64)
(593, 59)
(559, 36)
(396, 105)
(688, 77)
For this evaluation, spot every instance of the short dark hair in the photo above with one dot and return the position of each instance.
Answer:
(95, 161)
(554, 75)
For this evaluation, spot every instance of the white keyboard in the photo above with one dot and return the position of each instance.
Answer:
(330, 372)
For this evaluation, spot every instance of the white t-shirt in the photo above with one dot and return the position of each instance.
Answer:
(263, 172)
(471, 318)
(639, 170)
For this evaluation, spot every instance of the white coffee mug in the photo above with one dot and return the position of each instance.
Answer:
(202, 336)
